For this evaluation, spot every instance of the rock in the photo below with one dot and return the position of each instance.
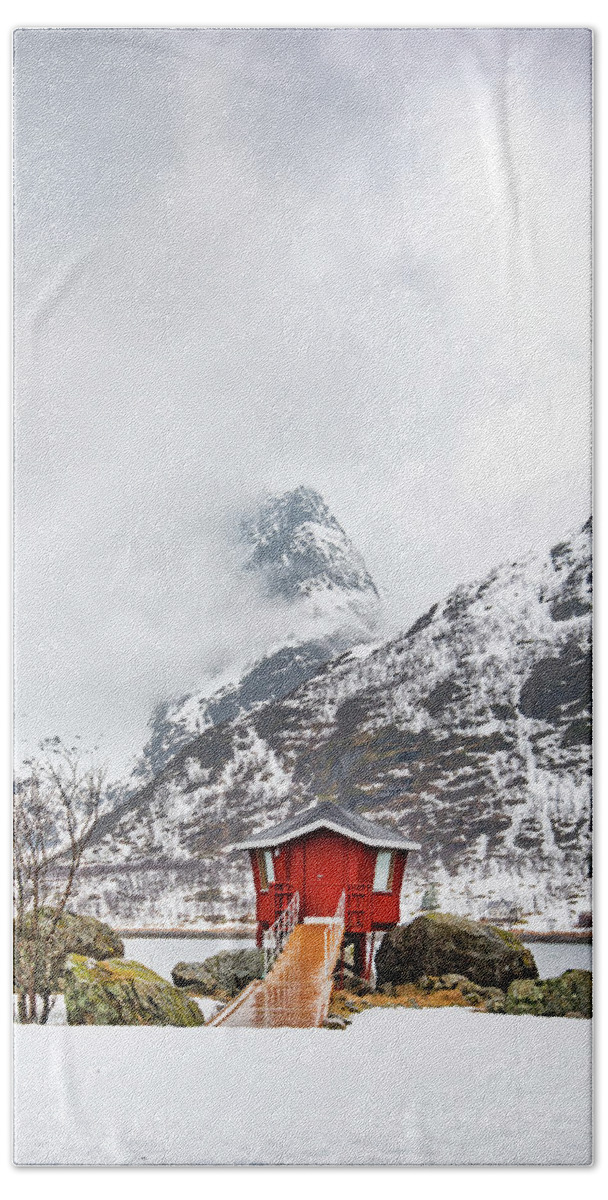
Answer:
(88, 936)
(452, 981)
(80, 934)
(195, 977)
(426, 983)
(74, 934)
(223, 975)
(525, 989)
(350, 1005)
(388, 989)
(495, 1004)
(335, 1023)
(116, 992)
(441, 944)
(351, 982)
(571, 994)
(470, 989)
(525, 996)
(568, 994)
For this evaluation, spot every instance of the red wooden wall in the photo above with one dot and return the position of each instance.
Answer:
(320, 866)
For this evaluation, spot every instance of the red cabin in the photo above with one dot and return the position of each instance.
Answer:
(321, 853)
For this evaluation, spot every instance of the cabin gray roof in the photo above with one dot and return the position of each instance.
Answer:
(327, 815)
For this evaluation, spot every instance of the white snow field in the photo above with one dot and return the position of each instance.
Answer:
(399, 1086)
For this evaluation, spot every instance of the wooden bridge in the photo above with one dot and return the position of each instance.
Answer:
(297, 986)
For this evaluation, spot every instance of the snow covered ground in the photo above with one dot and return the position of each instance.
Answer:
(399, 1086)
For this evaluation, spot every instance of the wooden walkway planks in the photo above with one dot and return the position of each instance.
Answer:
(297, 990)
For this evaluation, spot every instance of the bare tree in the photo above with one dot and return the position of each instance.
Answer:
(57, 803)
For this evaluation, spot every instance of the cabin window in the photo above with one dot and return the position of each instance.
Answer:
(383, 875)
(266, 868)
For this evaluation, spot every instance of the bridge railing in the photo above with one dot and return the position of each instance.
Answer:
(276, 936)
(334, 932)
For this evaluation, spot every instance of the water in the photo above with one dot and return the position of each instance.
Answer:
(161, 954)
(554, 958)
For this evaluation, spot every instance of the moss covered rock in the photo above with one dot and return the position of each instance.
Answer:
(525, 996)
(223, 975)
(88, 936)
(439, 944)
(47, 946)
(119, 992)
(568, 995)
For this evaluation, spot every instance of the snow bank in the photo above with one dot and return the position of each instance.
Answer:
(399, 1086)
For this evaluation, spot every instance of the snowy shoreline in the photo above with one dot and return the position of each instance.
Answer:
(401, 1086)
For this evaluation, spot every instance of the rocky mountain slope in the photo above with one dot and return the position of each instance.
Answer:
(301, 558)
(295, 543)
(470, 732)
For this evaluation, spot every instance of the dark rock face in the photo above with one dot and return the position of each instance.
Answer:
(123, 993)
(560, 685)
(439, 944)
(269, 679)
(223, 975)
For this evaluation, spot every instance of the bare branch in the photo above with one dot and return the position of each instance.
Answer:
(56, 808)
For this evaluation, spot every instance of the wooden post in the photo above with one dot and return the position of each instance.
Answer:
(359, 954)
(370, 959)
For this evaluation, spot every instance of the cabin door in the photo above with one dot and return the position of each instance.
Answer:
(324, 863)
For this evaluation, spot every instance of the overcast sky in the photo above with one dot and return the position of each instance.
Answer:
(248, 260)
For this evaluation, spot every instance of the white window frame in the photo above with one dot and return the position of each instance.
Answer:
(266, 869)
(384, 871)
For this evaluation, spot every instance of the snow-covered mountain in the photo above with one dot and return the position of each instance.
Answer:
(302, 559)
(298, 548)
(470, 732)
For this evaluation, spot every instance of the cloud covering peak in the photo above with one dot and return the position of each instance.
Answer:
(247, 258)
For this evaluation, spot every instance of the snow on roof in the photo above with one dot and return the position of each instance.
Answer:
(327, 815)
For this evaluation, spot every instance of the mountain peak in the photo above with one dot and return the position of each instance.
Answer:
(299, 549)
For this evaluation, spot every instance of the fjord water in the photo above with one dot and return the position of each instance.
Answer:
(161, 954)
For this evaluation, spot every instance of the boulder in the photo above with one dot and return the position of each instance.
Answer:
(119, 992)
(90, 937)
(349, 981)
(571, 994)
(451, 980)
(471, 991)
(568, 995)
(439, 944)
(73, 934)
(495, 1004)
(223, 975)
(195, 977)
(524, 996)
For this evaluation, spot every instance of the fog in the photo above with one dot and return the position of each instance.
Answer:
(252, 259)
